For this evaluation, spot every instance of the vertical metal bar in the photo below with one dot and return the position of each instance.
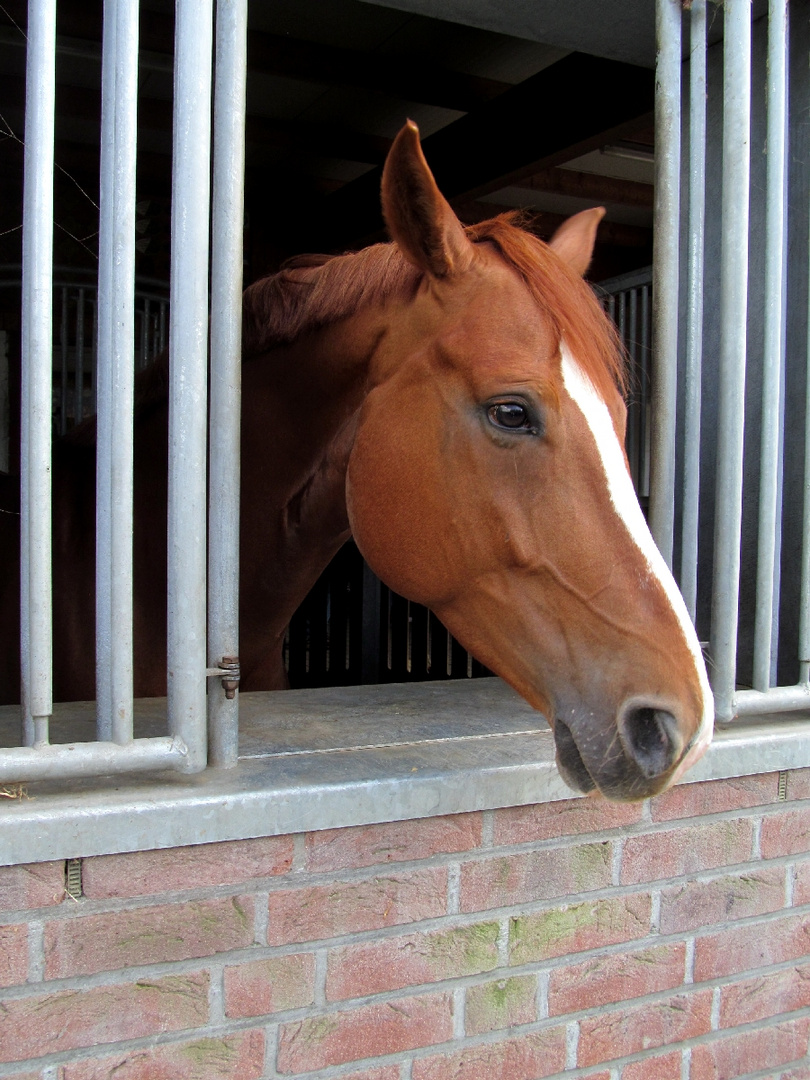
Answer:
(694, 306)
(114, 606)
(644, 380)
(78, 377)
(226, 370)
(804, 594)
(63, 374)
(631, 341)
(733, 338)
(665, 272)
(188, 346)
(772, 361)
(37, 351)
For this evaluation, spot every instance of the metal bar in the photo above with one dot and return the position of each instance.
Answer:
(37, 348)
(804, 589)
(23, 764)
(665, 272)
(78, 376)
(114, 603)
(63, 374)
(776, 699)
(188, 341)
(733, 338)
(694, 306)
(226, 370)
(644, 380)
(772, 361)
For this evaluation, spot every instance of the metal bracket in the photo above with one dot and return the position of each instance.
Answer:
(230, 674)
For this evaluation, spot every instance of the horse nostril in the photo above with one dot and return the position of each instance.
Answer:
(651, 738)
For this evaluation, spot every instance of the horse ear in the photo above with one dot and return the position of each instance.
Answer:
(418, 216)
(574, 239)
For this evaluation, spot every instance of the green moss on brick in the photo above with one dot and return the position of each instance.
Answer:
(501, 1004)
(208, 1054)
(589, 862)
(536, 936)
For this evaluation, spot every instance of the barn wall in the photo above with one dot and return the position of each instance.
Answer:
(663, 941)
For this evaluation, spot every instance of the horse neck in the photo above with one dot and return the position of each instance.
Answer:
(298, 420)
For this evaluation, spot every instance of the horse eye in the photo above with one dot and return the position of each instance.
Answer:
(509, 414)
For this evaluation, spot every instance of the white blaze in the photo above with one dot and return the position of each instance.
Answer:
(625, 503)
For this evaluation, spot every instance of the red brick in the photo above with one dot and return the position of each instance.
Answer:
(535, 875)
(13, 954)
(390, 964)
(500, 1004)
(144, 873)
(396, 841)
(324, 911)
(747, 1052)
(715, 797)
(271, 985)
(661, 855)
(50, 1023)
(82, 946)
(386, 1072)
(801, 885)
(618, 977)
(660, 1067)
(232, 1057)
(786, 833)
(645, 1027)
(578, 927)
(32, 885)
(765, 996)
(798, 784)
(525, 1057)
(569, 817)
(372, 1030)
(745, 948)
(695, 904)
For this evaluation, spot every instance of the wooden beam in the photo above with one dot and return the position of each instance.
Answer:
(155, 114)
(308, 61)
(599, 189)
(513, 137)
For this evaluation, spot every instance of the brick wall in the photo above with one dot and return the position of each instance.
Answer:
(666, 941)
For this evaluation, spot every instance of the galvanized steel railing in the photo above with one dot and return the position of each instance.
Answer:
(185, 746)
(676, 498)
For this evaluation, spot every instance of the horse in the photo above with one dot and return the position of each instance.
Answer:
(453, 401)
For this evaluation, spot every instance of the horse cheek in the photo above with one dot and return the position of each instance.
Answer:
(398, 514)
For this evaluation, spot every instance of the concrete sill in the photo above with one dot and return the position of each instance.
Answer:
(318, 759)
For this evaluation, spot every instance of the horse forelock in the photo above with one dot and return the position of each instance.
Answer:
(567, 301)
(314, 291)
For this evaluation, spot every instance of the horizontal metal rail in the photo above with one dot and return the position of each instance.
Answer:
(24, 764)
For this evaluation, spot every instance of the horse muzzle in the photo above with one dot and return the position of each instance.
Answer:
(634, 760)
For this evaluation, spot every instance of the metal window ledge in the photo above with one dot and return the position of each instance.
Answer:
(317, 759)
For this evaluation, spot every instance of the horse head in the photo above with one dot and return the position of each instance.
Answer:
(488, 481)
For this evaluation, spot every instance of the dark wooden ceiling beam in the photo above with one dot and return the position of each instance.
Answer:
(274, 54)
(155, 114)
(518, 135)
(596, 188)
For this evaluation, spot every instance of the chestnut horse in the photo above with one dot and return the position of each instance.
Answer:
(452, 401)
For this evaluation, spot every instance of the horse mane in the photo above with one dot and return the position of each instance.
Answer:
(312, 291)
